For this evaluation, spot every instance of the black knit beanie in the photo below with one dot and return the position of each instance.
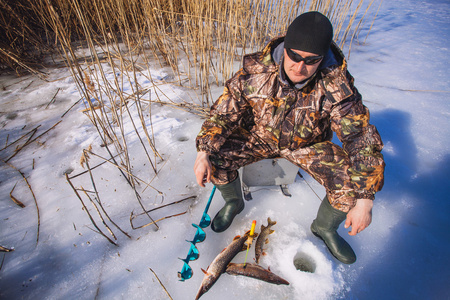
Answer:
(310, 32)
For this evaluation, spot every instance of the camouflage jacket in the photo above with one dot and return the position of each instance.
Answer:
(257, 99)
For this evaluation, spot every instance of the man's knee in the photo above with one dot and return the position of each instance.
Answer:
(221, 176)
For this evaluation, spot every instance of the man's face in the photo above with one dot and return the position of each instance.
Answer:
(299, 71)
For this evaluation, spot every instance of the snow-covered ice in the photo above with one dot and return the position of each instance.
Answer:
(402, 73)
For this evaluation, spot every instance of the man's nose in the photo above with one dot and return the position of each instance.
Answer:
(299, 66)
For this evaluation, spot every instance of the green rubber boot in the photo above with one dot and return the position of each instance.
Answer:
(232, 194)
(325, 226)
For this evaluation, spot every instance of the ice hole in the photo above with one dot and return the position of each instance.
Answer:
(183, 139)
(68, 171)
(303, 262)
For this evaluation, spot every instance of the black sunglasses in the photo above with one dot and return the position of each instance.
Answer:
(295, 57)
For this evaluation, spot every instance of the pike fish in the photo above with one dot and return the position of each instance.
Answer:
(255, 271)
(220, 263)
(263, 239)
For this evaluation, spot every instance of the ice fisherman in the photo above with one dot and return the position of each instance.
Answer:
(286, 101)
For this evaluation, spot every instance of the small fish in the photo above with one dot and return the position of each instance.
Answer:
(255, 271)
(220, 263)
(263, 239)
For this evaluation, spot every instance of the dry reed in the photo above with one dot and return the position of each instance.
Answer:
(34, 198)
(162, 285)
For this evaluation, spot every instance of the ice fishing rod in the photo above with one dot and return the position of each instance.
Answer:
(250, 240)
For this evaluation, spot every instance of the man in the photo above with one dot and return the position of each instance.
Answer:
(285, 102)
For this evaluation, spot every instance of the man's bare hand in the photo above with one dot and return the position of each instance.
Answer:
(360, 216)
(202, 168)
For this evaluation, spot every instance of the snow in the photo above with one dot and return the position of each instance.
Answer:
(402, 73)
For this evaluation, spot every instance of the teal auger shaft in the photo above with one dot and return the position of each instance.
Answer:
(186, 271)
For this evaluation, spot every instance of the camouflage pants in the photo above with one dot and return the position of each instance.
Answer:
(325, 161)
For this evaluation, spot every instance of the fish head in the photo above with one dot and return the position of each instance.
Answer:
(207, 283)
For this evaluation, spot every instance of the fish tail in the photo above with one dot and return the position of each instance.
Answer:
(270, 222)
